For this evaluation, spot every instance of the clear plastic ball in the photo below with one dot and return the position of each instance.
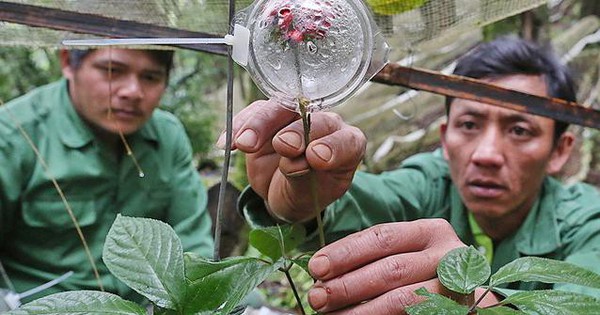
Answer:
(316, 49)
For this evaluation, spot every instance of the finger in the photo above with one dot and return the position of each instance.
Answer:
(396, 301)
(260, 168)
(294, 168)
(258, 123)
(291, 195)
(289, 141)
(377, 242)
(339, 151)
(238, 120)
(334, 146)
(375, 279)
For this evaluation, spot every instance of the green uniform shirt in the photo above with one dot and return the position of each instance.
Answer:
(38, 241)
(563, 224)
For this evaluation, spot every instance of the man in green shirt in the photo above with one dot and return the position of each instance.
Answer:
(489, 186)
(100, 135)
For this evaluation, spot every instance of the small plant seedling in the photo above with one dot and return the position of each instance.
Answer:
(146, 255)
(464, 269)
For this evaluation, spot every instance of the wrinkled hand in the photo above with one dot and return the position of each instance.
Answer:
(376, 271)
(278, 161)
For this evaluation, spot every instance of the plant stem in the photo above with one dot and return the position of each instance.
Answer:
(303, 105)
(472, 308)
(293, 286)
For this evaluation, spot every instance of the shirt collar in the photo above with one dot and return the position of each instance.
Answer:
(73, 131)
(539, 233)
(149, 130)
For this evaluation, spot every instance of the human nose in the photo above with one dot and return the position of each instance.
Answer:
(131, 88)
(488, 150)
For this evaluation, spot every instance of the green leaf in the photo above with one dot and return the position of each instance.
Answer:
(391, 7)
(463, 269)
(271, 240)
(146, 255)
(220, 286)
(554, 302)
(499, 310)
(544, 270)
(302, 261)
(164, 311)
(436, 304)
(80, 302)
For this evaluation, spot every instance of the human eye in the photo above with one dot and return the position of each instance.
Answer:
(520, 131)
(153, 77)
(467, 124)
(108, 70)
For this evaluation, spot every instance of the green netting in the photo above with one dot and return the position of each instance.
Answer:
(407, 23)
(434, 19)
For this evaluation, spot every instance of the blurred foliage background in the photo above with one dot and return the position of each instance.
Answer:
(23, 68)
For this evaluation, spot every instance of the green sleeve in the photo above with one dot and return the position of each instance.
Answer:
(580, 234)
(589, 259)
(188, 214)
(418, 189)
(10, 181)
(14, 172)
(389, 197)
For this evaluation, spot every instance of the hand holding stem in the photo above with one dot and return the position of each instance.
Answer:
(279, 161)
(303, 106)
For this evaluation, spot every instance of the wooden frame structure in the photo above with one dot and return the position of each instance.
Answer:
(392, 74)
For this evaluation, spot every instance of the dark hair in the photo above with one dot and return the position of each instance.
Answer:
(163, 57)
(510, 55)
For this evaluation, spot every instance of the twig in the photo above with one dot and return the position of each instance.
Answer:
(472, 308)
(293, 286)
(303, 103)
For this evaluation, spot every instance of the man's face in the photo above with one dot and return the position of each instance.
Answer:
(119, 100)
(498, 157)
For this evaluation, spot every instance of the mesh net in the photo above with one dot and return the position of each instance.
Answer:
(406, 23)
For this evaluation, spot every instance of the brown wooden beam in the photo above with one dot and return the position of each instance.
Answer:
(475, 90)
(392, 74)
(86, 23)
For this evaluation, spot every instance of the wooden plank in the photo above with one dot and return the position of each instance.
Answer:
(392, 74)
(475, 90)
(86, 23)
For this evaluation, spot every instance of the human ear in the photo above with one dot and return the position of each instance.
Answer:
(561, 153)
(65, 65)
(443, 129)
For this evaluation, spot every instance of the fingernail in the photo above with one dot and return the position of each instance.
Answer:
(292, 139)
(323, 152)
(319, 266)
(247, 139)
(317, 297)
(221, 141)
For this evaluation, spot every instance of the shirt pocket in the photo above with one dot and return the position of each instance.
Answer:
(52, 214)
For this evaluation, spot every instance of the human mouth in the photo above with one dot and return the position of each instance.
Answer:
(124, 113)
(482, 188)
